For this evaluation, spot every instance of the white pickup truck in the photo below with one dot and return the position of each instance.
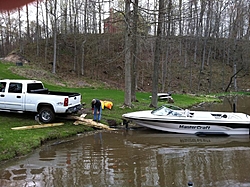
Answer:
(31, 96)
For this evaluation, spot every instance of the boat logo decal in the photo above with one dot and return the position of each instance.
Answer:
(194, 127)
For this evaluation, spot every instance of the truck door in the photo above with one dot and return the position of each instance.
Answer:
(14, 97)
(2, 94)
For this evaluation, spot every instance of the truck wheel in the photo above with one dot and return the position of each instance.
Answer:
(46, 115)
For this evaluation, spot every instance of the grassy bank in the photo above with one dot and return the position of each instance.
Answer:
(14, 143)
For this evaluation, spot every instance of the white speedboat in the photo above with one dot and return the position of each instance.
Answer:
(174, 119)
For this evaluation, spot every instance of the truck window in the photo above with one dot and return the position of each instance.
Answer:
(34, 86)
(15, 88)
(2, 86)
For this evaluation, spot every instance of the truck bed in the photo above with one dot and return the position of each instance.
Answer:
(47, 92)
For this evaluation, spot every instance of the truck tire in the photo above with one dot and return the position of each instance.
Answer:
(46, 114)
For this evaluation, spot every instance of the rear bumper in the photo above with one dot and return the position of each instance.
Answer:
(74, 109)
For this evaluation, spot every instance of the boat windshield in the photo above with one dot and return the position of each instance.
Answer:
(168, 110)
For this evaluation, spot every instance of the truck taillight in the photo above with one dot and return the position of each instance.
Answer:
(66, 102)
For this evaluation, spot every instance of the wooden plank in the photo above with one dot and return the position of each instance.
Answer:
(88, 122)
(91, 123)
(37, 126)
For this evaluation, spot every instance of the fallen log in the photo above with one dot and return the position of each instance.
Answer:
(37, 126)
(88, 122)
(91, 123)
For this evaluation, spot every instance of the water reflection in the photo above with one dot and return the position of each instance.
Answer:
(134, 158)
(240, 103)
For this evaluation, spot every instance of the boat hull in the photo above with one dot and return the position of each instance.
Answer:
(192, 125)
(197, 129)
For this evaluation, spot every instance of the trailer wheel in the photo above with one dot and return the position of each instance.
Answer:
(46, 114)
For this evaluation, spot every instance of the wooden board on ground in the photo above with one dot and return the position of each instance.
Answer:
(91, 123)
(37, 126)
(80, 120)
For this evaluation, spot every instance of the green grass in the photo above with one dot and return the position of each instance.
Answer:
(5, 73)
(14, 143)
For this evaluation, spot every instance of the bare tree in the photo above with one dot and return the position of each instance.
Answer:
(27, 22)
(20, 31)
(65, 15)
(8, 31)
(127, 98)
(100, 16)
(135, 51)
(83, 55)
(46, 27)
(54, 16)
(37, 28)
(85, 16)
(180, 17)
(167, 44)
(157, 55)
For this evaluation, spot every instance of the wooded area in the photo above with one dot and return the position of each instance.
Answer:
(157, 45)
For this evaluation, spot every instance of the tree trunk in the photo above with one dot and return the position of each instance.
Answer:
(135, 52)
(20, 32)
(37, 29)
(127, 99)
(83, 55)
(55, 37)
(100, 17)
(85, 16)
(46, 33)
(157, 55)
(164, 68)
(28, 22)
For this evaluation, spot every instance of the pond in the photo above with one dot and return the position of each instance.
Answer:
(135, 157)
(229, 104)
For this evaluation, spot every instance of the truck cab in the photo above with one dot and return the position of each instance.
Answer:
(11, 96)
(31, 96)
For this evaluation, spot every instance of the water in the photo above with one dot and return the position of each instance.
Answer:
(139, 157)
(229, 104)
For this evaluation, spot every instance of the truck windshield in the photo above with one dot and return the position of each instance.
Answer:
(34, 86)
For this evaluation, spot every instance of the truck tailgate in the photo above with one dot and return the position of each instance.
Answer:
(74, 99)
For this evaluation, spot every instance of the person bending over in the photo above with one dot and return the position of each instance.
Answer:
(97, 109)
